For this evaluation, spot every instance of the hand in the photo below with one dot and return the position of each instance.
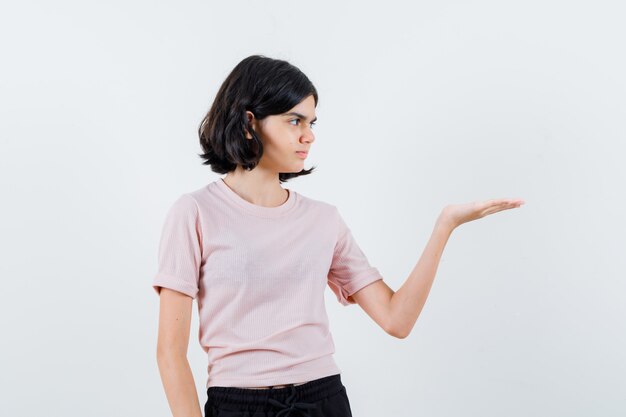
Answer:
(457, 214)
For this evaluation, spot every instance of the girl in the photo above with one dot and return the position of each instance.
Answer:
(257, 258)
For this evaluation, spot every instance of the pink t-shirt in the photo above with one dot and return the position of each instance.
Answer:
(258, 275)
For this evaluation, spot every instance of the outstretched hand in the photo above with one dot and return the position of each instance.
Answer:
(457, 214)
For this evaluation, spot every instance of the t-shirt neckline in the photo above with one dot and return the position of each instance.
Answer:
(254, 208)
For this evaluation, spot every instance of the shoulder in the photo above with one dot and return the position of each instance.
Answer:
(323, 213)
(198, 199)
(185, 201)
(324, 207)
(183, 206)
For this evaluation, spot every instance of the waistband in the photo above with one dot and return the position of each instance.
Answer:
(286, 397)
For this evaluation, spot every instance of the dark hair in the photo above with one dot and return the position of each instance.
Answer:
(262, 85)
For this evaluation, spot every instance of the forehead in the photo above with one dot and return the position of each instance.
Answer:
(305, 109)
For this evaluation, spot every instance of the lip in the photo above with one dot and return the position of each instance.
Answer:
(302, 154)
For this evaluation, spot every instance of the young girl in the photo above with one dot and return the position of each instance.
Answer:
(257, 257)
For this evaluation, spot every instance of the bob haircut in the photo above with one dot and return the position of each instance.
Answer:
(264, 86)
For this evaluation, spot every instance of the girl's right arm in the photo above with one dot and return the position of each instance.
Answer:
(173, 340)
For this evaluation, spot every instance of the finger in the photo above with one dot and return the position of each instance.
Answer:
(499, 207)
(492, 210)
(501, 204)
(516, 201)
(509, 202)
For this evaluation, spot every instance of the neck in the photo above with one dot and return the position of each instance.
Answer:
(257, 187)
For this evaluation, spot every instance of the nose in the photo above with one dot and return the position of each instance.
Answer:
(308, 136)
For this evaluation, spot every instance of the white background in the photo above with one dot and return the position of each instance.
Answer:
(422, 104)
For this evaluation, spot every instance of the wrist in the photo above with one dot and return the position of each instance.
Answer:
(444, 221)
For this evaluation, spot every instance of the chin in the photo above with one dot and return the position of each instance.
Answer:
(294, 168)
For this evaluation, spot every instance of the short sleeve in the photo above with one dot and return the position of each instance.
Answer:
(180, 249)
(350, 270)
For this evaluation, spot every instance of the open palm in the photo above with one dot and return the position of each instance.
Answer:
(457, 214)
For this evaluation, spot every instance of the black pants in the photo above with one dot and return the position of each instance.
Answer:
(323, 397)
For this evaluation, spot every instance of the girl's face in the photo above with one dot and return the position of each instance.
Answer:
(283, 135)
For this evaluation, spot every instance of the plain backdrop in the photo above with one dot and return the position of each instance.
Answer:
(422, 104)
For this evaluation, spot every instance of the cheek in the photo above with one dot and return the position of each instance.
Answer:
(282, 146)
(283, 140)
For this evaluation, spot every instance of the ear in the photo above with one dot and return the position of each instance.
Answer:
(251, 122)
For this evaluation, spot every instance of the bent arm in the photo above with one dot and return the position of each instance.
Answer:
(407, 302)
(173, 340)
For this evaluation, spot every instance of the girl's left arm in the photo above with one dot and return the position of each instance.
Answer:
(406, 304)
(398, 311)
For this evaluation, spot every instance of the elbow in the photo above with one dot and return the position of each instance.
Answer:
(392, 327)
(398, 334)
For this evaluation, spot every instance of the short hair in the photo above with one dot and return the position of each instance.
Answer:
(259, 84)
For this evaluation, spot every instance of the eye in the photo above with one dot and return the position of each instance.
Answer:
(297, 120)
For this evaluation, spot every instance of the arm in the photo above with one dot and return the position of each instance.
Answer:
(406, 304)
(173, 340)
(397, 312)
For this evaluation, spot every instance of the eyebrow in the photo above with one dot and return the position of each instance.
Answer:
(302, 116)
